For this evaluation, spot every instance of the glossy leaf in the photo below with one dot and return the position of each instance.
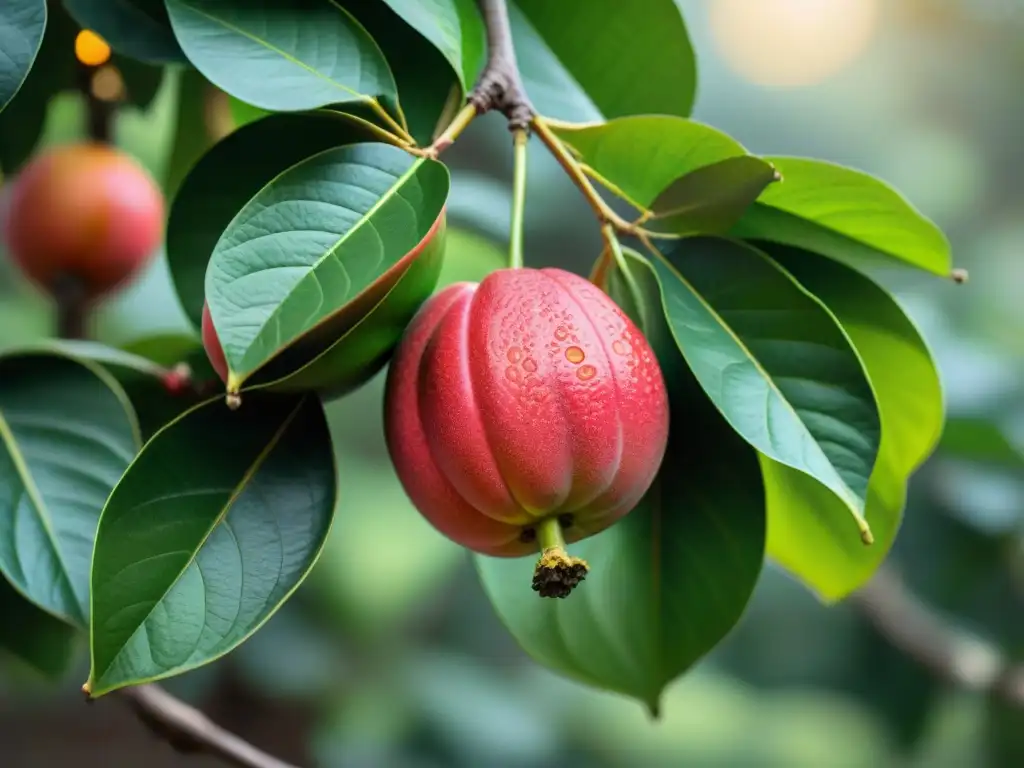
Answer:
(629, 58)
(775, 363)
(39, 639)
(670, 579)
(282, 54)
(227, 177)
(158, 393)
(807, 529)
(429, 88)
(22, 24)
(21, 122)
(454, 27)
(642, 155)
(711, 199)
(349, 352)
(312, 241)
(210, 530)
(137, 28)
(844, 214)
(66, 434)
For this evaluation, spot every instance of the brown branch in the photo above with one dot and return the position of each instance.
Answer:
(189, 730)
(500, 85)
(951, 654)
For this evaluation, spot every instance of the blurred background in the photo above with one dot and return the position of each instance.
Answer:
(415, 671)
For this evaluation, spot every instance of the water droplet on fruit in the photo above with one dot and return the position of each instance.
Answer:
(512, 374)
(575, 355)
(530, 365)
(515, 354)
(586, 372)
(561, 333)
(619, 347)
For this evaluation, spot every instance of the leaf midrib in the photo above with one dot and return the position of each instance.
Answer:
(760, 368)
(283, 54)
(247, 477)
(363, 221)
(28, 482)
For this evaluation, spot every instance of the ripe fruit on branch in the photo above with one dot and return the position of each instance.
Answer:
(85, 217)
(522, 411)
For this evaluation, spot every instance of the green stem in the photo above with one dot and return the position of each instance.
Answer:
(549, 534)
(515, 244)
(390, 121)
(612, 241)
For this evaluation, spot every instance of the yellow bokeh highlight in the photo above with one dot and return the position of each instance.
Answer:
(91, 49)
(107, 84)
(792, 43)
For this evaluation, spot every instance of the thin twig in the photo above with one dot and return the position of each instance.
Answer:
(189, 730)
(920, 633)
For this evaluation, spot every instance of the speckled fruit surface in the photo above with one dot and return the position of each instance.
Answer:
(526, 396)
(85, 212)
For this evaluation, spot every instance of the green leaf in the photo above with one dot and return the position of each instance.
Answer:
(669, 580)
(844, 214)
(629, 58)
(454, 27)
(642, 155)
(44, 642)
(227, 177)
(22, 24)
(775, 363)
(983, 441)
(155, 399)
(312, 241)
(211, 529)
(139, 29)
(345, 353)
(21, 123)
(282, 55)
(66, 434)
(711, 199)
(807, 530)
(429, 89)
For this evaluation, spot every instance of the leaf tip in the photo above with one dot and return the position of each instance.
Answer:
(87, 689)
(866, 535)
(959, 275)
(654, 708)
(233, 400)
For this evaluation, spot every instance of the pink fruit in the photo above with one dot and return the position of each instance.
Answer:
(86, 214)
(211, 343)
(522, 409)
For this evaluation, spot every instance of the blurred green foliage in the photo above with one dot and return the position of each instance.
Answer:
(391, 639)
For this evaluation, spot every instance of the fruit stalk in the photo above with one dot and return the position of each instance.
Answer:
(557, 572)
(515, 243)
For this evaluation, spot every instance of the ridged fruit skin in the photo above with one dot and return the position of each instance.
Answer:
(87, 212)
(214, 351)
(527, 395)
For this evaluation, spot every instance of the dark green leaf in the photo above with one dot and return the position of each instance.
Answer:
(668, 581)
(844, 214)
(776, 364)
(21, 123)
(227, 177)
(807, 530)
(312, 241)
(210, 530)
(66, 434)
(141, 81)
(139, 29)
(711, 199)
(428, 86)
(629, 58)
(44, 642)
(454, 27)
(191, 136)
(22, 24)
(642, 155)
(282, 54)
(370, 328)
